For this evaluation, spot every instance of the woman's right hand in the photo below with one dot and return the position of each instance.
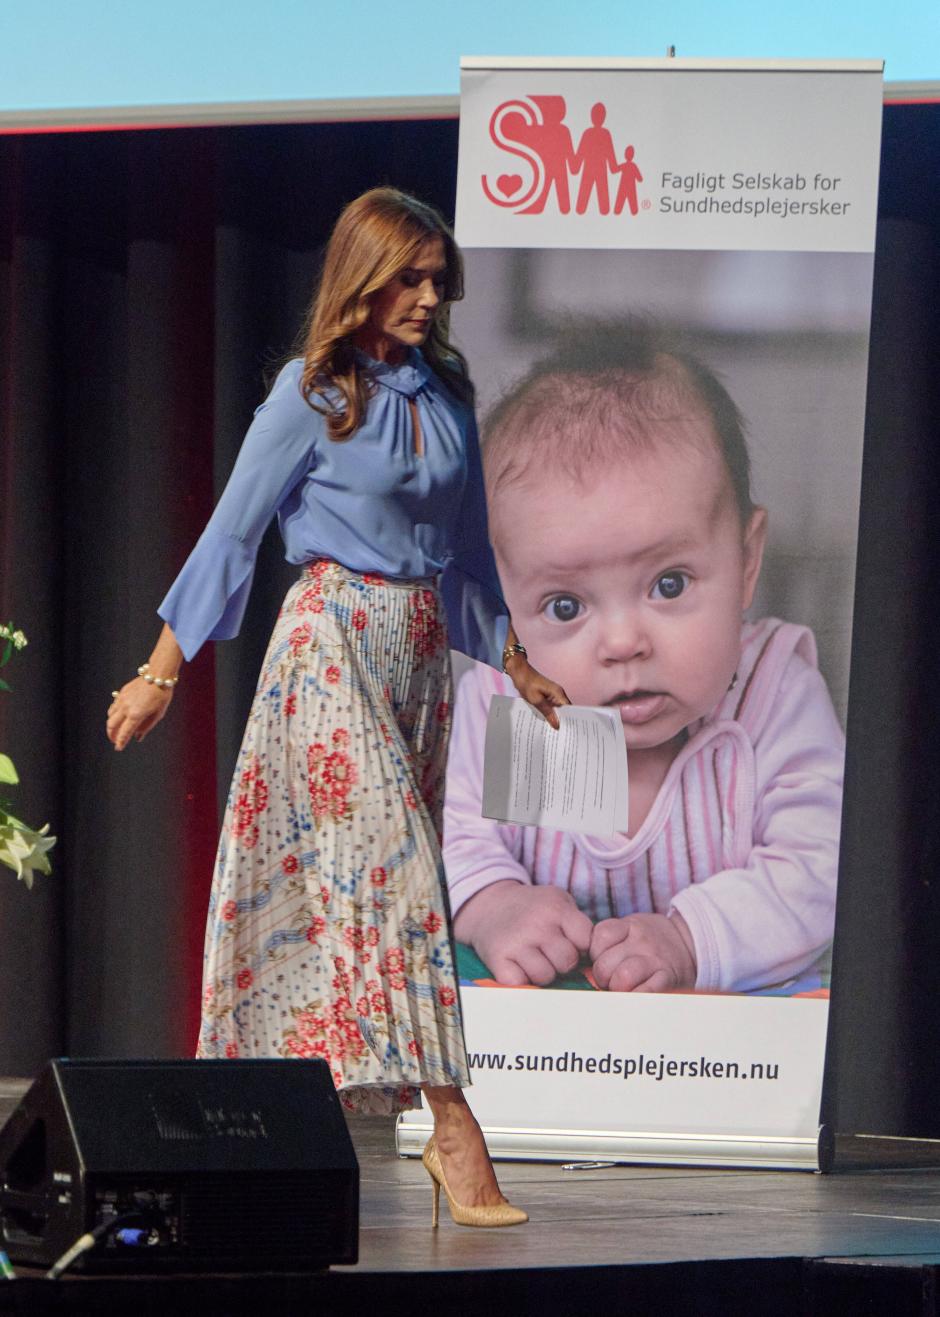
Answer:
(541, 692)
(135, 710)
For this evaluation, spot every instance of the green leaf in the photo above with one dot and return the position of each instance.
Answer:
(7, 651)
(7, 771)
(4, 686)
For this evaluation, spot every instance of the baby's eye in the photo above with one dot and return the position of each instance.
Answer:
(670, 585)
(563, 608)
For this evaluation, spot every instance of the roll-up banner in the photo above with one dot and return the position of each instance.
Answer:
(668, 289)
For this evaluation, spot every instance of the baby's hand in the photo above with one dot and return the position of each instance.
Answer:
(524, 934)
(643, 953)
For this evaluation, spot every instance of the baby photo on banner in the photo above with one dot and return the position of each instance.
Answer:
(668, 272)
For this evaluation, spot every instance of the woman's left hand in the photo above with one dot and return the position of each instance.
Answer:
(541, 692)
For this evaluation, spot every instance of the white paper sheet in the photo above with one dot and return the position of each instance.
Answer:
(573, 779)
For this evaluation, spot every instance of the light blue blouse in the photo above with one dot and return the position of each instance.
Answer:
(370, 502)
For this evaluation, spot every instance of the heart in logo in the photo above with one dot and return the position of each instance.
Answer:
(509, 183)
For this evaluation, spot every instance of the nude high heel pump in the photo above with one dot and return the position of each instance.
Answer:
(501, 1214)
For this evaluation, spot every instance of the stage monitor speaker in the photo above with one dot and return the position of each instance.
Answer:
(181, 1166)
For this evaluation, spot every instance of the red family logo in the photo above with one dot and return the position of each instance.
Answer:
(534, 130)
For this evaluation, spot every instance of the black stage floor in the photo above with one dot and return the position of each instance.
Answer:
(865, 1239)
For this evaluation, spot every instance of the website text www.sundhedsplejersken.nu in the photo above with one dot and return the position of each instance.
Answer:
(656, 1068)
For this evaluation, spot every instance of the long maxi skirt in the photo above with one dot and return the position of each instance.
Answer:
(329, 933)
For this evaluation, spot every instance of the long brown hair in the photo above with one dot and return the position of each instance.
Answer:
(376, 237)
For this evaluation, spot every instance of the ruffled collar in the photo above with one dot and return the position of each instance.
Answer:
(408, 377)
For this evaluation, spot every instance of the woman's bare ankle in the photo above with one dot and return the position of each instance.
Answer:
(463, 1150)
(454, 1122)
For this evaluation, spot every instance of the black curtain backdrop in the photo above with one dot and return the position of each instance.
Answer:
(149, 284)
(883, 1062)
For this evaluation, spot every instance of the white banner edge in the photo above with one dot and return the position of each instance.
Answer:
(536, 1144)
(593, 63)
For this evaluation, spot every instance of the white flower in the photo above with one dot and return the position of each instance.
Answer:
(23, 850)
(19, 640)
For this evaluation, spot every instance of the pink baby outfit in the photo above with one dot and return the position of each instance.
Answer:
(742, 839)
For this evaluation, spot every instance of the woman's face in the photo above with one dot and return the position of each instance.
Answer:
(402, 312)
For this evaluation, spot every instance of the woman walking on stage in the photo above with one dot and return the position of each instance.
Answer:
(329, 933)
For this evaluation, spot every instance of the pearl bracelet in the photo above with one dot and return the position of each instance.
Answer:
(165, 683)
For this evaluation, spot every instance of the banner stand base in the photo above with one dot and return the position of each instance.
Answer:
(769, 1153)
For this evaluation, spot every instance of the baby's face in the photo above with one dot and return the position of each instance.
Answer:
(629, 589)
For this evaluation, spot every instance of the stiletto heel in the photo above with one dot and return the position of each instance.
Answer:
(500, 1214)
(436, 1209)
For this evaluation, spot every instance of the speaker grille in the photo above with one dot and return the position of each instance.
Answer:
(273, 1216)
(239, 1165)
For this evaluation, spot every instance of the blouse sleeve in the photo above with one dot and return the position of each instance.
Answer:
(207, 600)
(477, 617)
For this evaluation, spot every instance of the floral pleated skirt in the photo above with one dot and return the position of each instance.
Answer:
(329, 933)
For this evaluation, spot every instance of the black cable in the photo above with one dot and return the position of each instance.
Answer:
(88, 1241)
